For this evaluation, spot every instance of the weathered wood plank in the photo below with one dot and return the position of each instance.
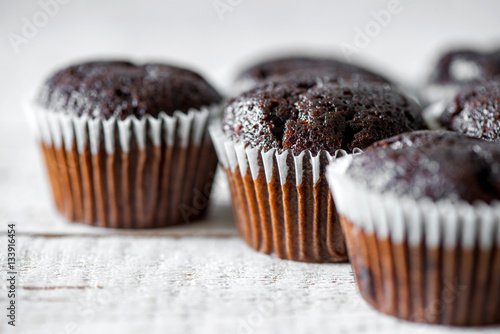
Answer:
(131, 284)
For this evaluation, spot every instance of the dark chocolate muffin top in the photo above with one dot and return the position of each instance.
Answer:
(120, 89)
(475, 111)
(464, 66)
(431, 164)
(276, 68)
(314, 115)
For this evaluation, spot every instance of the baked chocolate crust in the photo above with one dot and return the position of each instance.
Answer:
(475, 111)
(119, 89)
(316, 115)
(276, 68)
(431, 164)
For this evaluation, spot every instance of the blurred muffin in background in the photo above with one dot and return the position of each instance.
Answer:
(456, 69)
(295, 66)
(475, 111)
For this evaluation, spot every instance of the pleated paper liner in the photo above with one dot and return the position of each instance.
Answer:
(419, 260)
(281, 202)
(130, 173)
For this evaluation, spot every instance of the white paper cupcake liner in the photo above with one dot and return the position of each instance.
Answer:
(409, 255)
(281, 202)
(130, 172)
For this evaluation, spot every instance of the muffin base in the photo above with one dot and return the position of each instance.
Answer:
(459, 286)
(292, 222)
(142, 188)
(127, 173)
(281, 202)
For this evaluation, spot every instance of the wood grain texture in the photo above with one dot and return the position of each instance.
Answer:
(131, 284)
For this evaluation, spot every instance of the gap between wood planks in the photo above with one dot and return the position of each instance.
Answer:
(141, 234)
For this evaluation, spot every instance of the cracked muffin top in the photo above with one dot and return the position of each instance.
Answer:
(119, 89)
(276, 68)
(475, 111)
(431, 164)
(315, 115)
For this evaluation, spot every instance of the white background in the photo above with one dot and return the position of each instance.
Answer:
(192, 33)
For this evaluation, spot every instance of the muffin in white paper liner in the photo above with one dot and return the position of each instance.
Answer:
(421, 260)
(281, 202)
(126, 173)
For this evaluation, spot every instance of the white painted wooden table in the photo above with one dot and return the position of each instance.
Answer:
(199, 278)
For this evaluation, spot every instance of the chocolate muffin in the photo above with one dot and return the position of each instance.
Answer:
(419, 212)
(475, 111)
(303, 115)
(297, 66)
(274, 143)
(123, 143)
(457, 69)
(463, 66)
